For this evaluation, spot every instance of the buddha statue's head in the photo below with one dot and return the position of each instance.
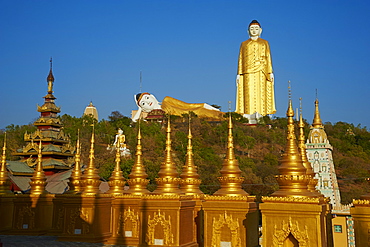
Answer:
(146, 101)
(254, 29)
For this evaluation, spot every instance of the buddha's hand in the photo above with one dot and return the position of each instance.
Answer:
(272, 77)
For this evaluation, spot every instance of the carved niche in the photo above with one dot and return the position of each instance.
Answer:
(225, 220)
(280, 235)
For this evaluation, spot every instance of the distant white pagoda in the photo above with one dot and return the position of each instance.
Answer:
(91, 110)
(319, 153)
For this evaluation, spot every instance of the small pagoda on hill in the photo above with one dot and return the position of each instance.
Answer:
(57, 151)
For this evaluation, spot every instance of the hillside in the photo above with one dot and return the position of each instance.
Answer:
(257, 148)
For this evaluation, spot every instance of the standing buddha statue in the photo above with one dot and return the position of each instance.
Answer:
(255, 79)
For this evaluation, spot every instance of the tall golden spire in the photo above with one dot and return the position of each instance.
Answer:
(317, 123)
(292, 180)
(138, 177)
(75, 179)
(230, 180)
(189, 177)
(4, 178)
(50, 78)
(116, 180)
(90, 179)
(168, 181)
(302, 149)
(38, 180)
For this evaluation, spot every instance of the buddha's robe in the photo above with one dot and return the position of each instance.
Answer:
(177, 107)
(255, 91)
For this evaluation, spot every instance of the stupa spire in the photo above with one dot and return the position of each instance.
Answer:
(50, 78)
(168, 181)
(138, 177)
(38, 180)
(317, 123)
(117, 181)
(292, 178)
(230, 180)
(189, 177)
(4, 178)
(75, 179)
(91, 179)
(302, 149)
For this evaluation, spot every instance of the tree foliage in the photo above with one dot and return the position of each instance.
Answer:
(257, 148)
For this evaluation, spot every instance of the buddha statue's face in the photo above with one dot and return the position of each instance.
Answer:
(255, 30)
(148, 102)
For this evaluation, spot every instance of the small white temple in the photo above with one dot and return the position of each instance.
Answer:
(91, 110)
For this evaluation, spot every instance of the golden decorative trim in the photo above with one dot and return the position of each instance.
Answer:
(360, 202)
(168, 197)
(312, 200)
(280, 235)
(229, 198)
(159, 219)
(218, 225)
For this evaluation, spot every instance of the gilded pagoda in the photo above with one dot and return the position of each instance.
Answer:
(57, 150)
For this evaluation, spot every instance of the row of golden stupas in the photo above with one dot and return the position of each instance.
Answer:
(177, 213)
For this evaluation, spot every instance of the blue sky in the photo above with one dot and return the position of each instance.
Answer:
(185, 49)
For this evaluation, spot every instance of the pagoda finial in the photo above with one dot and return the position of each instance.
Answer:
(292, 178)
(317, 123)
(75, 179)
(138, 177)
(91, 179)
(302, 149)
(230, 180)
(189, 177)
(4, 178)
(50, 78)
(116, 180)
(168, 181)
(38, 180)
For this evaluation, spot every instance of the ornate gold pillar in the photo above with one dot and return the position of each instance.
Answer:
(230, 215)
(168, 214)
